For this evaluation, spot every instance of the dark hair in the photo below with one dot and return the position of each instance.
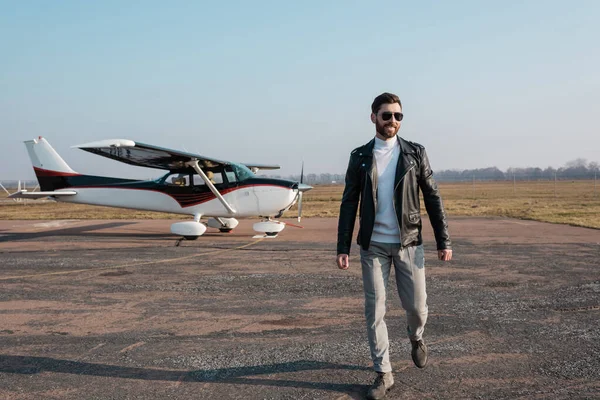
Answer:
(384, 98)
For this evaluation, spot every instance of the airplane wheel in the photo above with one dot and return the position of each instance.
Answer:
(271, 233)
(191, 237)
(225, 230)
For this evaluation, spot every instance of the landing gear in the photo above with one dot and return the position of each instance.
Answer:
(224, 225)
(269, 227)
(190, 230)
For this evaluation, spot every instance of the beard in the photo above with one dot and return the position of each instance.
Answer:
(385, 131)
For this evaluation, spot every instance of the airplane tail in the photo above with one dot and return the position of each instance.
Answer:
(51, 170)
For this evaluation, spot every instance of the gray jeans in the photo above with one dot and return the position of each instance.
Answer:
(409, 265)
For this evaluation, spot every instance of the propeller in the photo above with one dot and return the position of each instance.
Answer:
(300, 193)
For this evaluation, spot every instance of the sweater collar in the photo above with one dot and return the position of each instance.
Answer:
(385, 144)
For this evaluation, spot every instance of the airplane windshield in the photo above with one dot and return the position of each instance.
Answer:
(242, 172)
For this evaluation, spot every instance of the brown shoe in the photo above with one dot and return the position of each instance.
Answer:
(419, 353)
(383, 383)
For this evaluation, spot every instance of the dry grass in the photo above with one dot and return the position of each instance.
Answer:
(44, 210)
(573, 203)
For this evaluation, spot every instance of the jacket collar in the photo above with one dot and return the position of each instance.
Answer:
(366, 150)
(405, 163)
(405, 147)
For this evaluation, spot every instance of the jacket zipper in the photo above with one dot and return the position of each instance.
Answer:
(362, 202)
(394, 202)
(374, 182)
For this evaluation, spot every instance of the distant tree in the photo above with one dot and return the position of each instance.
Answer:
(325, 178)
(577, 163)
(548, 173)
(536, 173)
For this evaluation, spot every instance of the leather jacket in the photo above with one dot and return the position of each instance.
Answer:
(413, 172)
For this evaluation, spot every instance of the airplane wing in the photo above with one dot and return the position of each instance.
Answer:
(149, 156)
(24, 194)
(261, 166)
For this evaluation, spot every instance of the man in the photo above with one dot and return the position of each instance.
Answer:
(385, 175)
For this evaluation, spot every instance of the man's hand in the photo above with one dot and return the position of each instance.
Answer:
(445, 255)
(342, 261)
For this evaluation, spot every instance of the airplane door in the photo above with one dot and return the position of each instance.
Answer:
(243, 198)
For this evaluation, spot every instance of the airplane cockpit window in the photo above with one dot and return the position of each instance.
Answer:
(177, 180)
(214, 177)
(230, 175)
(242, 172)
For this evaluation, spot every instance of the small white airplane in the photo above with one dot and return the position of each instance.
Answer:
(194, 185)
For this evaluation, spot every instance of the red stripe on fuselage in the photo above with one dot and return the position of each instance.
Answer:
(46, 172)
(202, 197)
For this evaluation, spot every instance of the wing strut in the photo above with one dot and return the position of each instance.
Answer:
(194, 164)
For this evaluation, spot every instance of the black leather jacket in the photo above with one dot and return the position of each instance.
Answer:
(412, 172)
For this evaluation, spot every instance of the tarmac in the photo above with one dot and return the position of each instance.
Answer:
(117, 309)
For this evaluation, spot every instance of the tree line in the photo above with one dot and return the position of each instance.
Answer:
(573, 170)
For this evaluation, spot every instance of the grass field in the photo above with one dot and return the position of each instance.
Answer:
(569, 202)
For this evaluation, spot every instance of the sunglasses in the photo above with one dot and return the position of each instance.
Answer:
(386, 116)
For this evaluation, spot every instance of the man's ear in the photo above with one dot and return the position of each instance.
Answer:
(373, 118)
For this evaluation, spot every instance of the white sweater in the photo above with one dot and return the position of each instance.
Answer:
(386, 153)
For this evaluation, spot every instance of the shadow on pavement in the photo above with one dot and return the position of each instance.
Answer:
(241, 375)
(83, 231)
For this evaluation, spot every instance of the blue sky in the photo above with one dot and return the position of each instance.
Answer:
(506, 84)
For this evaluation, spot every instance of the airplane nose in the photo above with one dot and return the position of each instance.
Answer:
(303, 187)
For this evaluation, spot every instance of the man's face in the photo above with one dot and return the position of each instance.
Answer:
(387, 129)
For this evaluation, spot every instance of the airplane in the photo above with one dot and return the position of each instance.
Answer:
(203, 187)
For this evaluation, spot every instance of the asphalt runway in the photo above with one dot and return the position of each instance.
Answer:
(116, 310)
